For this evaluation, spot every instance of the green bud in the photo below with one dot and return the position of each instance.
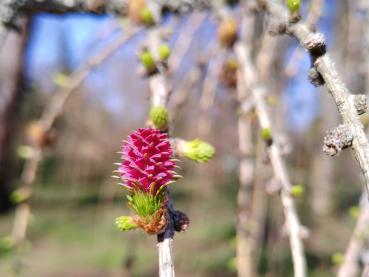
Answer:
(147, 61)
(233, 242)
(294, 6)
(337, 258)
(164, 52)
(198, 150)
(60, 79)
(19, 195)
(271, 100)
(125, 223)
(6, 244)
(232, 264)
(266, 134)
(159, 117)
(297, 190)
(354, 212)
(24, 152)
(147, 17)
(232, 64)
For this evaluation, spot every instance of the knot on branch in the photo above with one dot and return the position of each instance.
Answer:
(294, 18)
(315, 77)
(360, 103)
(315, 43)
(278, 29)
(180, 221)
(337, 139)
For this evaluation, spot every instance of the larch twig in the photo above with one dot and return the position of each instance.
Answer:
(249, 73)
(159, 97)
(322, 62)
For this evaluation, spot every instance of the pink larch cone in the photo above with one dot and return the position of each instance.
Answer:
(147, 163)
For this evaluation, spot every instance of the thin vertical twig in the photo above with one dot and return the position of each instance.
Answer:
(185, 40)
(293, 225)
(245, 224)
(245, 265)
(209, 88)
(350, 265)
(159, 97)
(315, 12)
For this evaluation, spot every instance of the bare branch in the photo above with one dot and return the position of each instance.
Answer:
(293, 225)
(106, 6)
(315, 44)
(159, 97)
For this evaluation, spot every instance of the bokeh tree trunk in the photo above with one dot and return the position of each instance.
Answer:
(11, 75)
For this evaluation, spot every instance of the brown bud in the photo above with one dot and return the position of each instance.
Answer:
(360, 102)
(228, 74)
(227, 32)
(181, 221)
(154, 224)
(337, 139)
(315, 77)
(315, 44)
(134, 10)
(34, 133)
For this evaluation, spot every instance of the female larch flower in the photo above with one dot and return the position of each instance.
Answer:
(147, 168)
(147, 163)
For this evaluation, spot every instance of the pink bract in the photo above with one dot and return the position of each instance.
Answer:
(147, 163)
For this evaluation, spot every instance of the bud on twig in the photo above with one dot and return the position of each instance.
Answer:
(196, 150)
(337, 139)
(315, 77)
(181, 221)
(227, 32)
(159, 117)
(360, 102)
(315, 44)
(294, 7)
(125, 223)
(266, 135)
(164, 52)
(147, 60)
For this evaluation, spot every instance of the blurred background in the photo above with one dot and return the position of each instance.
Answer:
(75, 201)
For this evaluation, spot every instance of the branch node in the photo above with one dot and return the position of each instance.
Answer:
(315, 43)
(295, 17)
(278, 29)
(337, 139)
(181, 221)
(360, 102)
(315, 77)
